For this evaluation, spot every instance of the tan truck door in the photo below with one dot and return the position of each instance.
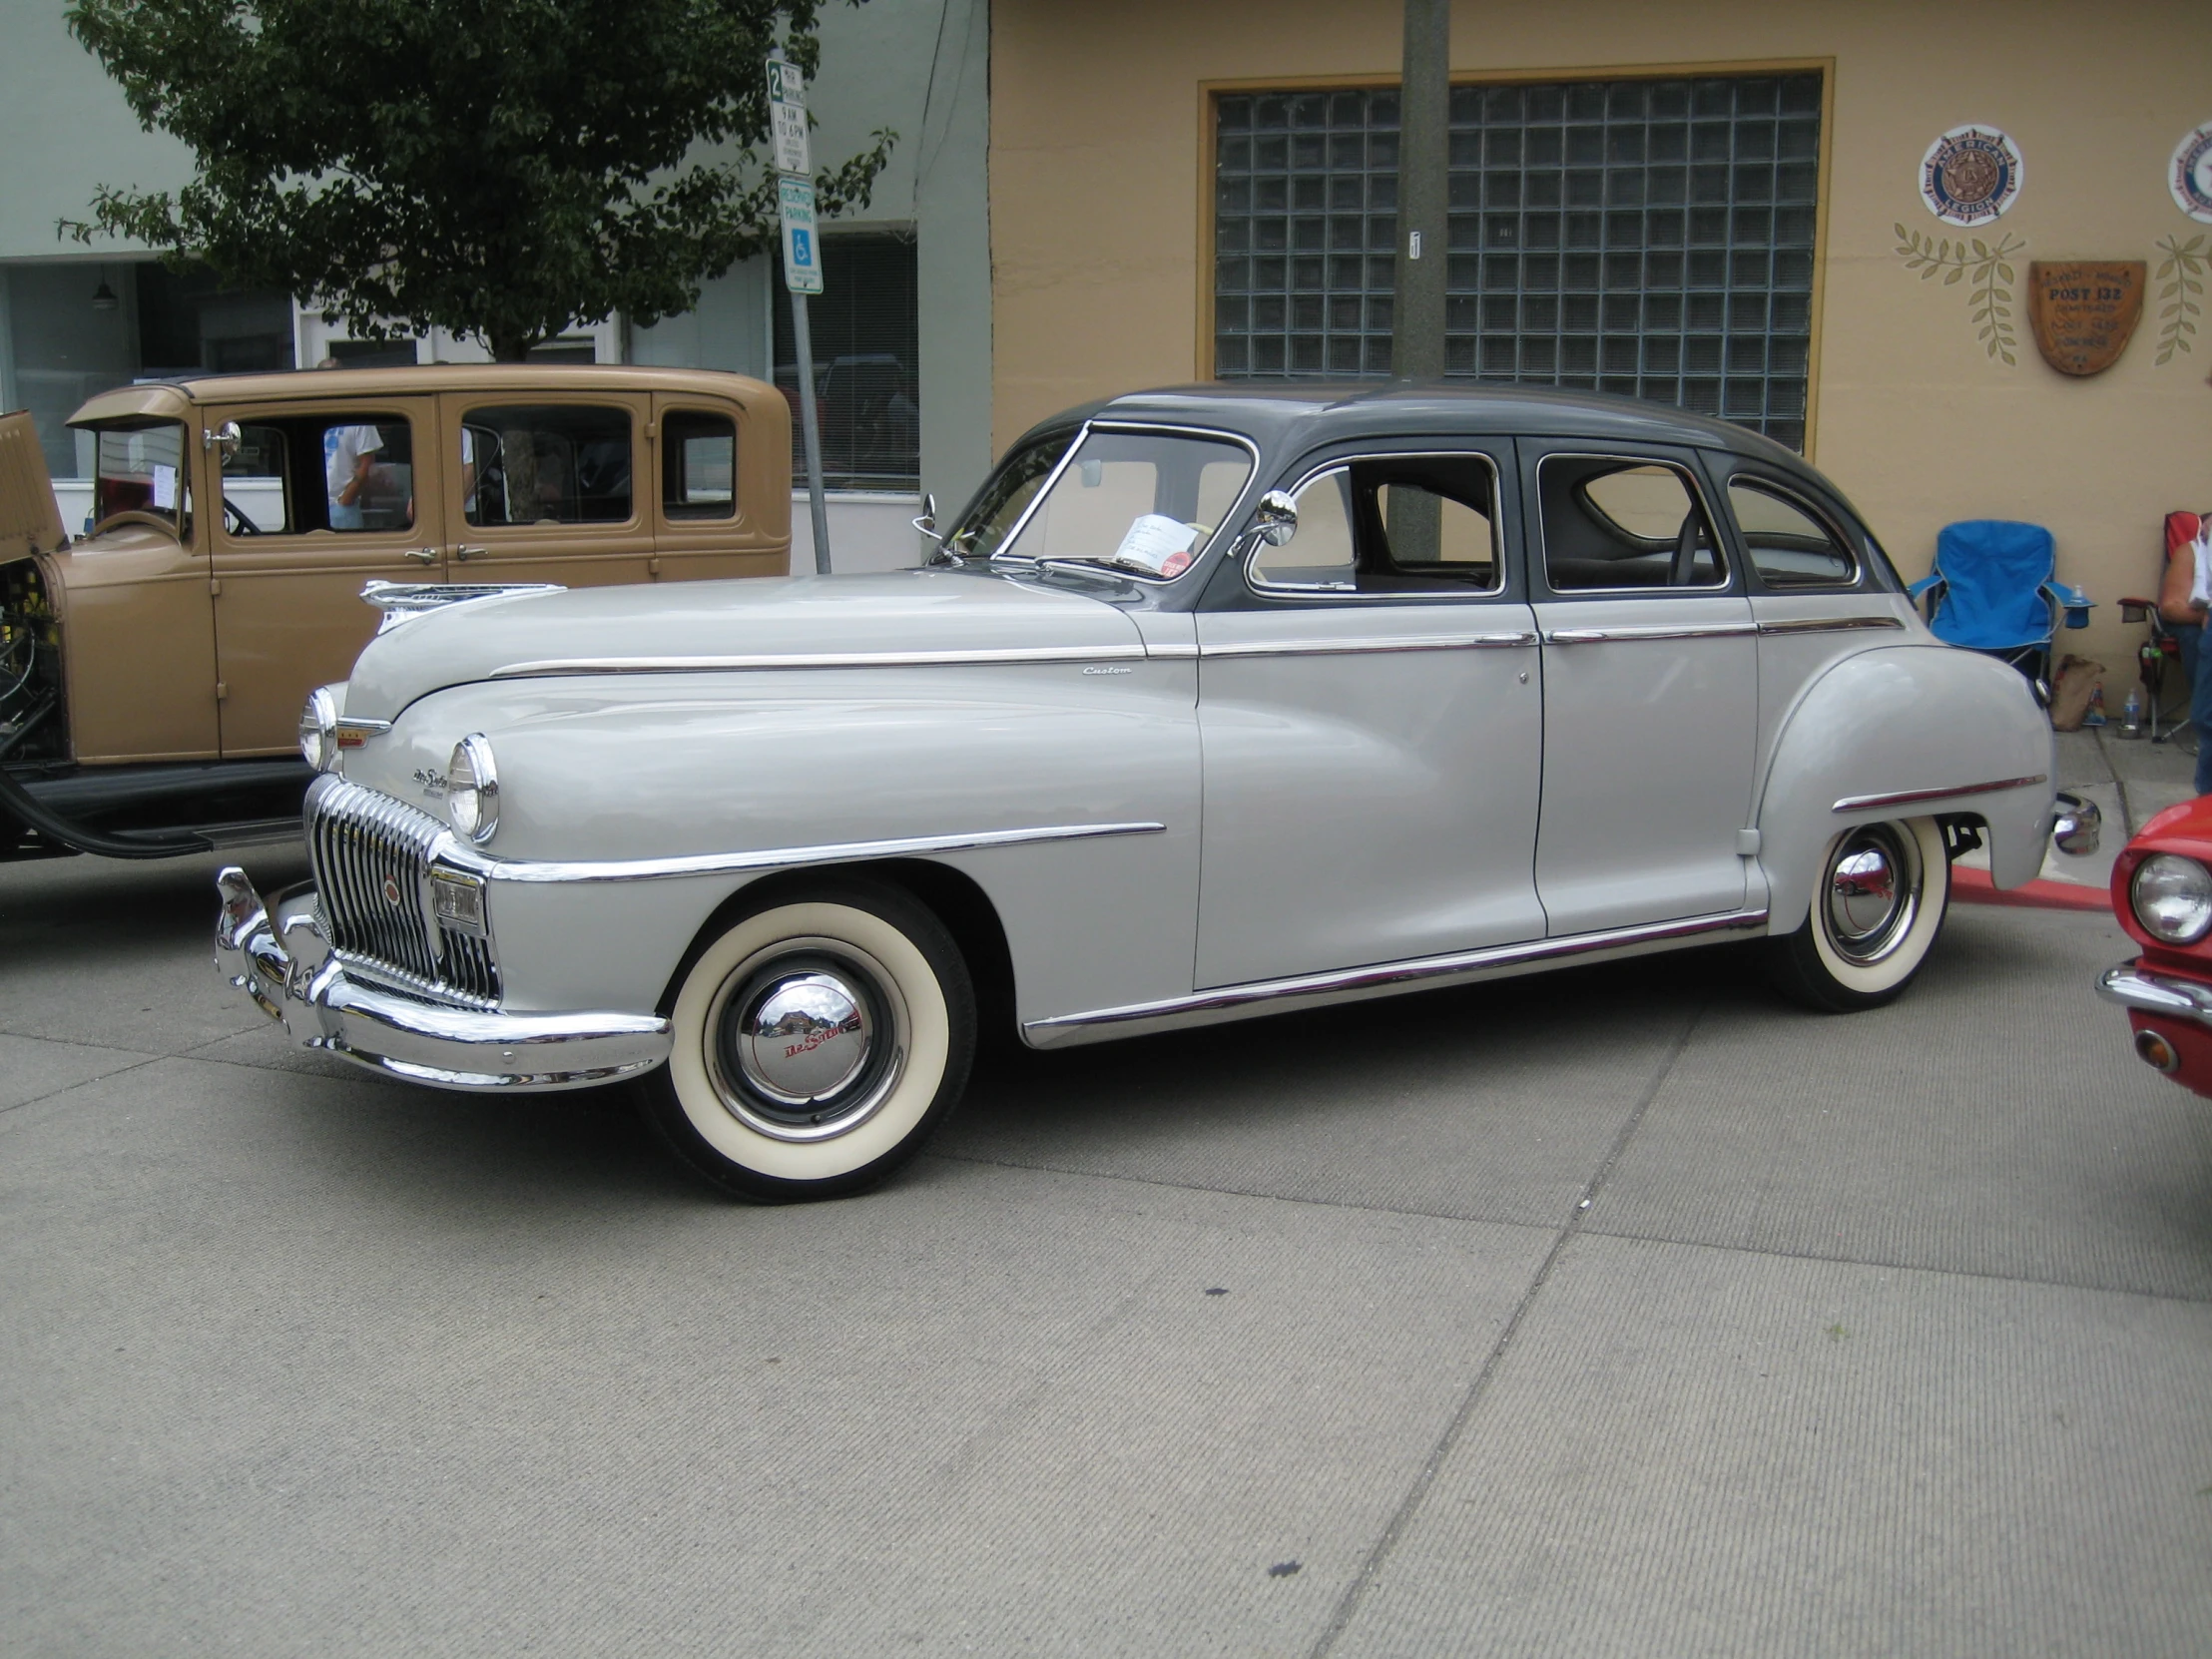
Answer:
(318, 499)
(550, 487)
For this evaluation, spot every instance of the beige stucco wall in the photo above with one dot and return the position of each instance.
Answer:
(1095, 183)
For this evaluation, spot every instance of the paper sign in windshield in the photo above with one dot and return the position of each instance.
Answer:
(165, 488)
(1156, 544)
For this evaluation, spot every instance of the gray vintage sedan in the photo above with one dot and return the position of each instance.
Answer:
(1214, 703)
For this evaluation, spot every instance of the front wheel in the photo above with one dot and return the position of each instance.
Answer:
(1877, 907)
(819, 1041)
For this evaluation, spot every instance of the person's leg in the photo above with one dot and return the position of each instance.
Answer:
(2200, 705)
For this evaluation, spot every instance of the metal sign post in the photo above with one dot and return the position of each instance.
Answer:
(794, 197)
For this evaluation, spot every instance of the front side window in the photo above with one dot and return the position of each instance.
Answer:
(349, 471)
(1613, 524)
(1391, 524)
(139, 467)
(552, 463)
(1789, 547)
(699, 465)
(1142, 501)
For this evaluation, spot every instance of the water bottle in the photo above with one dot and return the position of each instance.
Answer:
(2132, 714)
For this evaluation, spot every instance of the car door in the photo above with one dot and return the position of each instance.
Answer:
(318, 499)
(723, 503)
(547, 486)
(1372, 725)
(1650, 671)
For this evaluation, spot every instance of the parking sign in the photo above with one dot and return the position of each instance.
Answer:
(786, 108)
(802, 248)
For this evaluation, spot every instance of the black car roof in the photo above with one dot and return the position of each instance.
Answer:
(1277, 413)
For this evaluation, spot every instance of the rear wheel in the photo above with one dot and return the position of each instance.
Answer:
(1877, 906)
(819, 1041)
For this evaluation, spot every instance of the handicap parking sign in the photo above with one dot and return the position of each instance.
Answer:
(802, 271)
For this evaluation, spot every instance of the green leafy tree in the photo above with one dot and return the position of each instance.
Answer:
(506, 168)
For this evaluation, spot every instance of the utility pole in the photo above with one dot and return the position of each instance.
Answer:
(1423, 193)
(1415, 518)
(795, 191)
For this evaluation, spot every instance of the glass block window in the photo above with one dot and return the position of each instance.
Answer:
(1647, 237)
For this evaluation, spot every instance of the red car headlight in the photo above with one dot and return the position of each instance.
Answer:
(2172, 897)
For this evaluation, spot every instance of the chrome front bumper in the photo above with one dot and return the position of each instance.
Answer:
(283, 962)
(2157, 993)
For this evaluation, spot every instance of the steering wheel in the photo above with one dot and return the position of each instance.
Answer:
(235, 521)
(1684, 573)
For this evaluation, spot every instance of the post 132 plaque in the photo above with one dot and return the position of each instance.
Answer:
(2083, 312)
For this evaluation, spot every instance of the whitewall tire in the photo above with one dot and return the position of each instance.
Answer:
(1878, 902)
(819, 1041)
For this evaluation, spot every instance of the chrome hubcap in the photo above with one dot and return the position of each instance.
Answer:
(807, 1040)
(1872, 893)
(802, 1038)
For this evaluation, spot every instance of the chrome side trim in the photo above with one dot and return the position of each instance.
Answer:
(1638, 632)
(1341, 647)
(774, 858)
(1907, 798)
(1827, 624)
(993, 656)
(1170, 650)
(1317, 989)
(2157, 993)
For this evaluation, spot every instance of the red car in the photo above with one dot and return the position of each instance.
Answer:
(2162, 893)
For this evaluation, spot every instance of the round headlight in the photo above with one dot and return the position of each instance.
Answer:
(2172, 897)
(472, 788)
(318, 730)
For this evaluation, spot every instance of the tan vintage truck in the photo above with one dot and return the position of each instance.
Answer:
(153, 669)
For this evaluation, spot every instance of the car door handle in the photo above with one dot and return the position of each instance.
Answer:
(465, 554)
(423, 555)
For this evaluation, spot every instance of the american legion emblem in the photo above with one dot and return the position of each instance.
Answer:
(2189, 176)
(2085, 311)
(1971, 174)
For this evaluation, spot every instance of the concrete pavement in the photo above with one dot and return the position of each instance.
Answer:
(1881, 1334)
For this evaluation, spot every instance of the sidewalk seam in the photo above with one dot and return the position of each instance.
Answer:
(1401, 1518)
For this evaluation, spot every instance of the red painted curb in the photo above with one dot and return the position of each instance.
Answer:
(1972, 886)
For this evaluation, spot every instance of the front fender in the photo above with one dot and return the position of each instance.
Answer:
(614, 770)
(1912, 720)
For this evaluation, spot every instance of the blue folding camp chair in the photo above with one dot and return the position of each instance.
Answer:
(1993, 590)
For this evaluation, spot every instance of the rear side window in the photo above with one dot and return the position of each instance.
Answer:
(1789, 545)
(557, 463)
(1615, 524)
(699, 465)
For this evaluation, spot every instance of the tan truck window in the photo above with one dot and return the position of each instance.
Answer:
(550, 463)
(699, 465)
(352, 472)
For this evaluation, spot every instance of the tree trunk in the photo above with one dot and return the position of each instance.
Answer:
(510, 348)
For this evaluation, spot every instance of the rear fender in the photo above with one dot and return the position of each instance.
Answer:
(1901, 720)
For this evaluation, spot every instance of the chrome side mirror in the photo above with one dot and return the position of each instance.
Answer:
(224, 440)
(1276, 518)
(927, 523)
(2077, 825)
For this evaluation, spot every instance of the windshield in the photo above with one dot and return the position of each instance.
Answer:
(1144, 502)
(1010, 489)
(140, 467)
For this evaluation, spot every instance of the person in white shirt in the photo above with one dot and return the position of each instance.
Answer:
(348, 455)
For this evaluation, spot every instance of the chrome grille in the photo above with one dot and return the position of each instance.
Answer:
(371, 858)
